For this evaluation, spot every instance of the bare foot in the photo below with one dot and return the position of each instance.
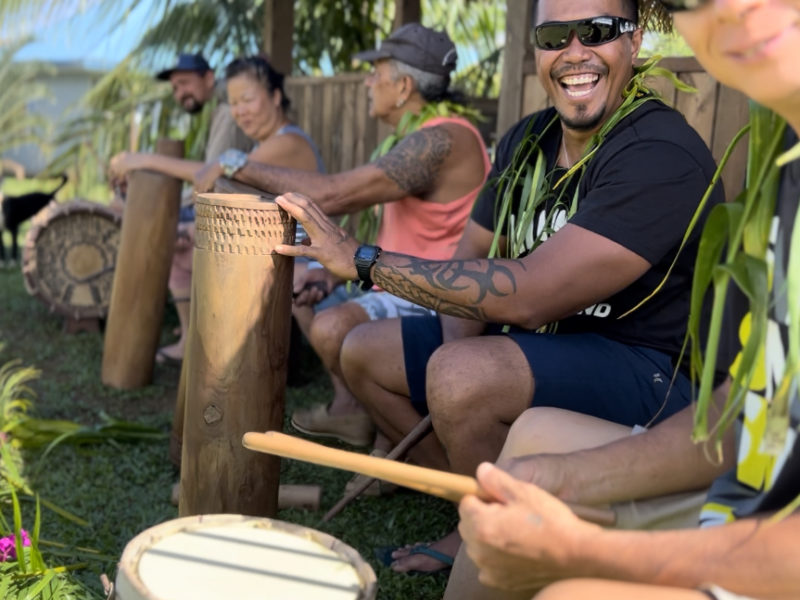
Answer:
(171, 353)
(412, 558)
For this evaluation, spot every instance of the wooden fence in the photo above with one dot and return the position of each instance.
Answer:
(334, 111)
(717, 112)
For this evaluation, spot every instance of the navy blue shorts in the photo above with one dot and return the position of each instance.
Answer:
(585, 373)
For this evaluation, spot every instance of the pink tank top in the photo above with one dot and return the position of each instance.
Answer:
(427, 229)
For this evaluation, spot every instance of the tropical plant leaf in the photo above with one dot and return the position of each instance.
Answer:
(743, 228)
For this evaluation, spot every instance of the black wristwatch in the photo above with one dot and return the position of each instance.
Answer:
(365, 257)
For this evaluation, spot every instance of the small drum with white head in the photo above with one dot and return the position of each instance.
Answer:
(214, 557)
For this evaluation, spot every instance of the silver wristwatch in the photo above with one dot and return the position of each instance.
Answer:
(231, 161)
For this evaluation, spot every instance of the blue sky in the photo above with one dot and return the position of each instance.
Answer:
(87, 38)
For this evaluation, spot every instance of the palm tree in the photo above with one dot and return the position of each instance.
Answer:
(128, 109)
(21, 86)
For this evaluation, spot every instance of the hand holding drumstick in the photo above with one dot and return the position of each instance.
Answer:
(449, 486)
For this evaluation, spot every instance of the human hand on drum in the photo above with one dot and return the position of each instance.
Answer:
(123, 163)
(204, 178)
(327, 242)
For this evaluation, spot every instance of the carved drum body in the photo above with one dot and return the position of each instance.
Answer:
(237, 352)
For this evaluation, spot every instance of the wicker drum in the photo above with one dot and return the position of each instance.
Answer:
(69, 257)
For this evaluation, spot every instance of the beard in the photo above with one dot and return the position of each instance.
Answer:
(191, 105)
(583, 121)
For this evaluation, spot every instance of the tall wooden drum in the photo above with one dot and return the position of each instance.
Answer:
(213, 557)
(69, 257)
(139, 292)
(237, 354)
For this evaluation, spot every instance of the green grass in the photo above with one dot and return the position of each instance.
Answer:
(123, 488)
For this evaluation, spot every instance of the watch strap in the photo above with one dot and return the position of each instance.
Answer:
(231, 161)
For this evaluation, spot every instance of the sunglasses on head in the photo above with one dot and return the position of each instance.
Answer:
(555, 35)
(679, 5)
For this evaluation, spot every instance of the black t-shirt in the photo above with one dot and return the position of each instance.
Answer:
(760, 482)
(640, 189)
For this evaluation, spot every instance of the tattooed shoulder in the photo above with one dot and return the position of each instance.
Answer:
(414, 164)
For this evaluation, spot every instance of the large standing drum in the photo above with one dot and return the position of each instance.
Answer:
(139, 292)
(69, 257)
(237, 354)
(214, 557)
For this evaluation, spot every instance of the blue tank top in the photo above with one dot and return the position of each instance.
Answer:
(291, 128)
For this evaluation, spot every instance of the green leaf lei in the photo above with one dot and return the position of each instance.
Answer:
(734, 247)
(369, 220)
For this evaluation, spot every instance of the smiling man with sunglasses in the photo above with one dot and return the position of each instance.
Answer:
(525, 538)
(634, 199)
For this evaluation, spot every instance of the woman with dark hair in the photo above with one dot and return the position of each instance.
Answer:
(258, 105)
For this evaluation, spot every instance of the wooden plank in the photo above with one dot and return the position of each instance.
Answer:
(663, 87)
(731, 115)
(334, 122)
(307, 105)
(677, 64)
(278, 29)
(347, 124)
(361, 150)
(534, 96)
(324, 113)
(699, 108)
(407, 11)
(509, 109)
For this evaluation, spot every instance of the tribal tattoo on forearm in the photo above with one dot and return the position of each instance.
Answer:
(415, 162)
(425, 281)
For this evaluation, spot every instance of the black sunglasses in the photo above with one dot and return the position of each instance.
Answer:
(596, 31)
(679, 5)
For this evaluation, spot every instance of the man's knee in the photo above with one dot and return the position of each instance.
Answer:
(456, 388)
(357, 348)
(373, 352)
(534, 424)
(551, 430)
(470, 376)
(330, 327)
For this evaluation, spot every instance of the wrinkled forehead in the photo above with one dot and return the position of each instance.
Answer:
(570, 10)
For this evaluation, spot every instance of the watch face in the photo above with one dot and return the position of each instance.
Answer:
(366, 253)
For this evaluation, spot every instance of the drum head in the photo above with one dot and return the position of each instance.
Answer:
(209, 557)
(69, 258)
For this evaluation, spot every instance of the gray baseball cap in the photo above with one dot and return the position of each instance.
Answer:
(425, 49)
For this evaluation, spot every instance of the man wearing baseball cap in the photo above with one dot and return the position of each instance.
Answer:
(426, 185)
(415, 45)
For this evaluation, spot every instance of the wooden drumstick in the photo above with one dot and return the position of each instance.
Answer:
(436, 483)
(449, 486)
